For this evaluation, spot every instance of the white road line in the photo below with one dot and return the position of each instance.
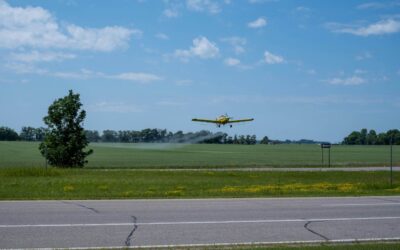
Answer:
(237, 244)
(362, 204)
(197, 222)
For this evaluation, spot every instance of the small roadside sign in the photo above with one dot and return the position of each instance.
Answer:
(326, 146)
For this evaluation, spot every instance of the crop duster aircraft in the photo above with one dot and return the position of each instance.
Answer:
(222, 120)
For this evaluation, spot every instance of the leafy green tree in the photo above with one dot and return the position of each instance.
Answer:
(235, 140)
(242, 139)
(372, 137)
(394, 135)
(8, 134)
(382, 139)
(363, 136)
(353, 139)
(28, 134)
(92, 135)
(109, 136)
(253, 139)
(265, 140)
(40, 134)
(65, 140)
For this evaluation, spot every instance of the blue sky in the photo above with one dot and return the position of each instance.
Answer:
(302, 69)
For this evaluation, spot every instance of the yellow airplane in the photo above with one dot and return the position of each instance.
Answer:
(222, 120)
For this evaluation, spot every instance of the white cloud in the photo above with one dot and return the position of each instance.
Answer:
(364, 56)
(162, 36)
(202, 48)
(313, 100)
(170, 103)
(237, 43)
(353, 80)
(262, 1)
(360, 71)
(36, 56)
(209, 6)
(137, 77)
(378, 5)
(71, 75)
(23, 68)
(174, 7)
(382, 27)
(302, 9)
(140, 77)
(183, 82)
(371, 5)
(311, 72)
(81, 74)
(171, 12)
(114, 107)
(258, 23)
(272, 59)
(232, 61)
(37, 28)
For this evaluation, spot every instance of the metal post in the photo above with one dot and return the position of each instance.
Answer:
(45, 157)
(391, 161)
(329, 157)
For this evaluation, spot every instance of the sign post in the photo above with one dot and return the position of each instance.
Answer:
(45, 157)
(327, 146)
(391, 161)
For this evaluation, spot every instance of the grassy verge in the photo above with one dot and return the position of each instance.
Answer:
(328, 246)
(35, 183)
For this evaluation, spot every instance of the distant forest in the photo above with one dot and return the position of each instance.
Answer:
(363, 137)
(136, 136)
(149, 135)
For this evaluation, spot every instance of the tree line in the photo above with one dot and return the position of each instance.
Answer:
(362, 137)
(136, 136)
(365, 137)
(163, 135)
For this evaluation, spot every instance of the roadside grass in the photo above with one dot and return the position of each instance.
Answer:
(164, 155)
(38, 183)
(324, 246)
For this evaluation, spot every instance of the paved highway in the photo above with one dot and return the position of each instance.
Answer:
(113, 223)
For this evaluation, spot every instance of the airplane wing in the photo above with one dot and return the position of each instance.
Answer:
(204, 120)
(242, 120)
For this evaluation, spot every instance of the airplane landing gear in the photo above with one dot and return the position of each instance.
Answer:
(230, 126)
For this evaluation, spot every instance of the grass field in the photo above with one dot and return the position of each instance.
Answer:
(348, 246)
(37, 183)
(119, 155)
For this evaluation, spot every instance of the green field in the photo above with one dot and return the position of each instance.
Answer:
(326, 246)
(37, 183)
(152, 155)
(109, 175)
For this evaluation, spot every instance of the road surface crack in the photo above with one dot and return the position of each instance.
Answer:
(80, 205)
(130, 236)
(306, 226)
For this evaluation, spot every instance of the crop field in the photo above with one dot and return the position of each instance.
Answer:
(121, 155)
(325, 246)
(153, 155)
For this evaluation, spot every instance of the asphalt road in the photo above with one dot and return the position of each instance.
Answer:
(113, 223)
